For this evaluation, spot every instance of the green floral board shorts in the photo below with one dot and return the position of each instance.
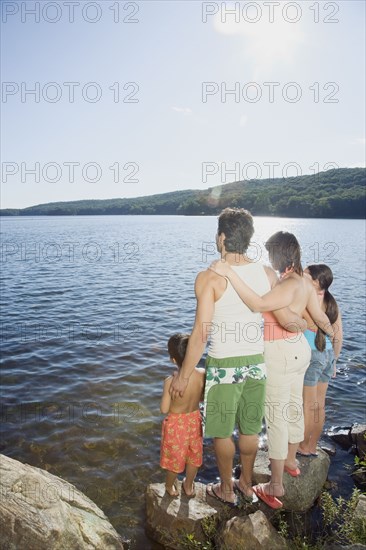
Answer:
(234, 395)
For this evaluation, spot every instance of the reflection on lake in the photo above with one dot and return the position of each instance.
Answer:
(88, 306)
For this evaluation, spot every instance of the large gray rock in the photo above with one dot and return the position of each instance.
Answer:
(358, 436)
(169, 519)
(360, 511)
(302, 491)
(39, 511)
(252, 532)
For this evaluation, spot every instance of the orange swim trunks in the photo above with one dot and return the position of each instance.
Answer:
(181, 441)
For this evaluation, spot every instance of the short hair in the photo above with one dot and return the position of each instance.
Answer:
(177, 347)
(284, 252)
(237, 224)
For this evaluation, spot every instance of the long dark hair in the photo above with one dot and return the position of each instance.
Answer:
(284, 252)
(323, 274)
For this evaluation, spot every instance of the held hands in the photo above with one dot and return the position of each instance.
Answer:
(178, 386)
(220, 267)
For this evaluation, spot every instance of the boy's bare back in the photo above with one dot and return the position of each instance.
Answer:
(191, 398)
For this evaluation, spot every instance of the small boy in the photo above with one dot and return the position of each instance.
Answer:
(182, 442)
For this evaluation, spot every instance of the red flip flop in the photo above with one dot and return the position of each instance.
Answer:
(272, 502)
(293, 473)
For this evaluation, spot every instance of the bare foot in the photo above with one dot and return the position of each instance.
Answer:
(172, 490)
(274, 490)
(292, 465)
(303, 452)
(192, 492)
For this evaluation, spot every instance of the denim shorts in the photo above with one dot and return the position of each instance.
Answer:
(320, 368)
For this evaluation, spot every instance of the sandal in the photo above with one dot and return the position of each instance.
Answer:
(210, 491)
(272, 502)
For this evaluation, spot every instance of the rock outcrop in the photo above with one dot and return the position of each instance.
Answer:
(360, 511)
(250, 533)
(169, 519)
(347, 437)
(41, 511)
(358, 436)
(300, 492)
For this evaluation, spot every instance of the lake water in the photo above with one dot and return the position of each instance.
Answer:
(88, 304)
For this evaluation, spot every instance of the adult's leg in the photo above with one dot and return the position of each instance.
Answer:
(321, 389)
(248, 446)
(299, 358)
(311, 417)
(225, 451)
(250, 418)
(277, 399)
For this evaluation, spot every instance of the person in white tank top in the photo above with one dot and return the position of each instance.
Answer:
(235, 370)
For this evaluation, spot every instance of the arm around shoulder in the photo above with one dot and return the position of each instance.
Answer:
(338, 336)
(317, 314)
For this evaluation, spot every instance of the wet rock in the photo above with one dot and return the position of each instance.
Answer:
(342, 436)
(328, 448)
(359, 477)
(42, 511)
(250, 533)
(358, 436)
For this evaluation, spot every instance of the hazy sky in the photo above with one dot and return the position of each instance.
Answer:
(137, 98)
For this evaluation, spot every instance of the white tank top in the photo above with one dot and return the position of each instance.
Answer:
(236, 330)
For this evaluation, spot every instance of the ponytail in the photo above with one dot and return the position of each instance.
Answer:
(323, 274)
(331, 311)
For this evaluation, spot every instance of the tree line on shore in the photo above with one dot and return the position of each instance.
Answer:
(336, 193)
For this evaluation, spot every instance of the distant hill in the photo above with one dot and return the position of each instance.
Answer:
(338, 193)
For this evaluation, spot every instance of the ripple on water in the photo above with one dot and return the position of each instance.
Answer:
(84, 347)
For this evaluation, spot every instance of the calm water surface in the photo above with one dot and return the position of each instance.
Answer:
(88, 304)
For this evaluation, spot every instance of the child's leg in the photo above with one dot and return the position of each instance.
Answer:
(191, 472)
(170, 484)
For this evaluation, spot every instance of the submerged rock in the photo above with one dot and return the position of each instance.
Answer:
(342, 436)
(41, 511)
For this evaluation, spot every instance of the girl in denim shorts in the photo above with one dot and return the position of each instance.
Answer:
(324, 355)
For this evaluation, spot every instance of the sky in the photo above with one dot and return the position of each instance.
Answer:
(138, 98)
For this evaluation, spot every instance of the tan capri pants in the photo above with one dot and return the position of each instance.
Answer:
(286, 361)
